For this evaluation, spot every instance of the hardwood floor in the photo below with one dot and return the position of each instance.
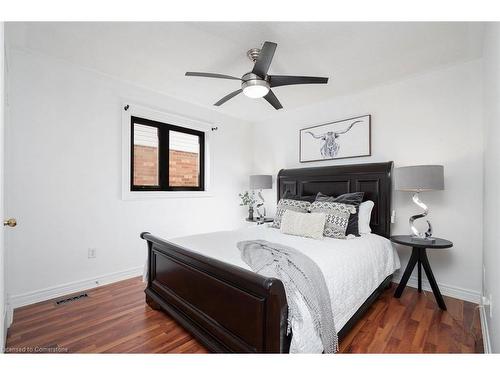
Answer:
(415, 324)
(116, 319)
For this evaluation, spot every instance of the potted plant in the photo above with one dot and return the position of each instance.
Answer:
(248, 199)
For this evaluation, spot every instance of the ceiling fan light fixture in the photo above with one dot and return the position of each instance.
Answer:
(255, 88)
(257, 83)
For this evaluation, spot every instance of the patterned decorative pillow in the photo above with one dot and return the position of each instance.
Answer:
(349, 198)
(337, 217)
(288, 204)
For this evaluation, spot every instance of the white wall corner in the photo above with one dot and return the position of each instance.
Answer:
(7, 322)
(484, 330)
(9, 316)
(3, 343)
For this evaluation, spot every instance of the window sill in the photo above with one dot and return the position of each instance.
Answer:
(141, 195)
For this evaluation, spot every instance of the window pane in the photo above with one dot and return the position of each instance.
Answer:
(184, 163)
(146, 171)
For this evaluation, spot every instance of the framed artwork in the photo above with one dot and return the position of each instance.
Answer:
(350, 138)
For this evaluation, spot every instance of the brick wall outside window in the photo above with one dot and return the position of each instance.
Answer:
(183, 168)
(145, 165)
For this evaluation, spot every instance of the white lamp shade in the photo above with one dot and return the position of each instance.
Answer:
(261, 181)
(419, 178)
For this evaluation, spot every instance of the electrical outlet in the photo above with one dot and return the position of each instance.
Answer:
(393, 216)
(92, 252)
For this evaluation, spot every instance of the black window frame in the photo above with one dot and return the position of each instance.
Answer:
(164, 156)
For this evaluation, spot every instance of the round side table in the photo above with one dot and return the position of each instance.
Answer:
(419, 257)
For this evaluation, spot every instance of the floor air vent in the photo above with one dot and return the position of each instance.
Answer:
(71, 299)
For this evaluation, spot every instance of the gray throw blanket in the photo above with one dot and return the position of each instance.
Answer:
(299, 274)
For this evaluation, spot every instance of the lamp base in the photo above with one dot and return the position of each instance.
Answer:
(414, 230)
(261, 210)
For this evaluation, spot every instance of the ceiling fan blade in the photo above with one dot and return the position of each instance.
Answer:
(227, 97)
(275, 81)
(264, 61)
(211, 75)
(273, 100)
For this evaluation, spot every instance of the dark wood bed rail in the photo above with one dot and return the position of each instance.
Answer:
(227, 308)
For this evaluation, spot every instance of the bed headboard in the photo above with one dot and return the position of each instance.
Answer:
(374, 179)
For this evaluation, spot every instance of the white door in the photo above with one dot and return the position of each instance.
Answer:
(7, 223)
(2, 248)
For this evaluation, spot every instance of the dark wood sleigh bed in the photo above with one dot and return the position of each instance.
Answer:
(230, 309)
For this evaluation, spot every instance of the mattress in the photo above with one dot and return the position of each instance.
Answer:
(353, 269)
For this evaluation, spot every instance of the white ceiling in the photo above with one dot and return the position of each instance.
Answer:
(156, 55)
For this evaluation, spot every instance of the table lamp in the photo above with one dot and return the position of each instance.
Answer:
(259, 182)
(417, 179)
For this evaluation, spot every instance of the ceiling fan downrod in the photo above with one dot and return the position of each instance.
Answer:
(253, 54)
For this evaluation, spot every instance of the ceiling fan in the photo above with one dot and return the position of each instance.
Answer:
(257, 83)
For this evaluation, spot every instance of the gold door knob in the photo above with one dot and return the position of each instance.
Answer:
(10, 222)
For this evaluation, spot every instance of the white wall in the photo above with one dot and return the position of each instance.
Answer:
(433, 118)
(63, 176)
(491, 256)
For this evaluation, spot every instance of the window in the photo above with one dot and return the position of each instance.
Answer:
(166, 157)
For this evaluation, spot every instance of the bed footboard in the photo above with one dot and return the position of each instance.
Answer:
(227, 308)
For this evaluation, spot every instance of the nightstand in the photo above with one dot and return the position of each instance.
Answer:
(419, 258)
(266, 220)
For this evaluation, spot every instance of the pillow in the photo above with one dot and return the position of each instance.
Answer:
(288, 204)
(354, 199)
(337, 217)
(307, 198)
(303, 224)
(365, 214)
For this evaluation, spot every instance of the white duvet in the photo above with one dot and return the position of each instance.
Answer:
(353, 268)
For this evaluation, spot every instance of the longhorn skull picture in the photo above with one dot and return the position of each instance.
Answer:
(329, 141)
(330, 147)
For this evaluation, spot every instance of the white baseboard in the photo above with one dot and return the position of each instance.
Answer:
(15, 301)
(446, 290)
(484, 330)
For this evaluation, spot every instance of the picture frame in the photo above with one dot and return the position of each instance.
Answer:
(348, 138)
